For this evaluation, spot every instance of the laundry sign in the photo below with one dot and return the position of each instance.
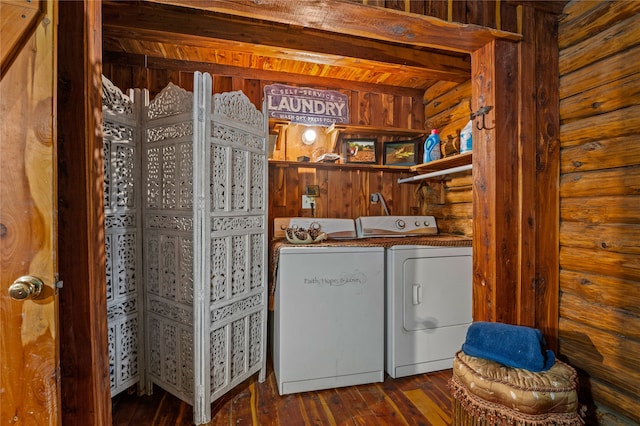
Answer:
(305, 105)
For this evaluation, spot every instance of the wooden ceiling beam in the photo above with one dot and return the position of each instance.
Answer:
(163, 23)
(370, 22)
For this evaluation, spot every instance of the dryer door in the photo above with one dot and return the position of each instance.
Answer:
(436, 291)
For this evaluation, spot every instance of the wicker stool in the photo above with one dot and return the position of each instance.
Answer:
(487, 393)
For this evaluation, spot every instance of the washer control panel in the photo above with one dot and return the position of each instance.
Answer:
(395, 226)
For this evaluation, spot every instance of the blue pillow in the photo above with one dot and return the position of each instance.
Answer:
(511, 345)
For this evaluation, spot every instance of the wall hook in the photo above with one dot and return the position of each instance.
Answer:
(481, 113)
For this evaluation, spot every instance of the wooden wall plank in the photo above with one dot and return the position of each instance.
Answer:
(610, 209)
(617, 265)
(603, 98)
(603, 290)
(541, 172)
(625, 121)
(599, 46)
(618, 181)
(597, 73)
(83, 306)
(583, 20)
(495, 229)
(602, 154)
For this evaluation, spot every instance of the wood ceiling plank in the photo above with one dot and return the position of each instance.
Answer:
(305, 79)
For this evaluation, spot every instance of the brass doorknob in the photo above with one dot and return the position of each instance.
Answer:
(27, 287)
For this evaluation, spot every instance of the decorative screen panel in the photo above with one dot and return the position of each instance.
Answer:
(167, 149)
(122, 237)
(238, 240)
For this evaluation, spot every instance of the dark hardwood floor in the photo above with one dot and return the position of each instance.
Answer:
(418, 400)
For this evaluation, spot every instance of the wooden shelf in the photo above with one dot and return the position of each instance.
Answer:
(444, 163)
(354, 128)
(347, 166)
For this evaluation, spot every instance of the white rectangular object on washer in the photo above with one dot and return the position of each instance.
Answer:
(328, 317)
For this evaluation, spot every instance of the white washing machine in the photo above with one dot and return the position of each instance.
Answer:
(428, 307)
(328, 317)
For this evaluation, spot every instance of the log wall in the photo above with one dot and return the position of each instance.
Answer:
(599, 326)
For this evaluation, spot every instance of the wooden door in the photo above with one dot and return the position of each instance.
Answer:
(29, 355)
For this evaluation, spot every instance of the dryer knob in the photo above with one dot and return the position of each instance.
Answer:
(400, 224)
(426, 223)
(417, 223)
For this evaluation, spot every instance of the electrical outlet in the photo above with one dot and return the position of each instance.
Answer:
(307, 201)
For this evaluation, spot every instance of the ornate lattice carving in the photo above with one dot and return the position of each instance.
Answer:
(185, 291)
(170, 131)
(181, 314)
(186, 366)
(126, 272)
(155, 347)
(128, 344)
(218, 359)
(226, 135)
(257, 259)
(111, 345)
(219, 177)
(168, 177)
(171, 100)
(239, 223)
(123, 176)
(257, 182)
(168, 276)
(185, 183)
(246, 304)
(153, 178)
(117, 132)
(239, 180)
(106, 168)
(255, 338)
(109, 267)
(122, 308)
(237, 106)
(170, 335)
(218, 269)
(237, 347)
(178, 223)
(119, 221)
(153, 265)
(114, 100)
(238, 266)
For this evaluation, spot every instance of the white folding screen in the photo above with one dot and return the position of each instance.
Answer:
(123, 236)
(204, 221)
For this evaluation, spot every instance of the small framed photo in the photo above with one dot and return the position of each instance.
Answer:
(401, 153)
(360, 151)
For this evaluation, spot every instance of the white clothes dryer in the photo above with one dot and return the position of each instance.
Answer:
(428, 307)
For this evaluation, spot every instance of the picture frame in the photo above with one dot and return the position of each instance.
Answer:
(400, 153)
(361, 151)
